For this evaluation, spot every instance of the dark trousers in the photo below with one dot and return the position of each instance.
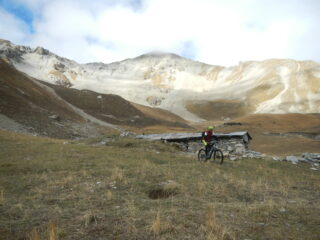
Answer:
(208, 148)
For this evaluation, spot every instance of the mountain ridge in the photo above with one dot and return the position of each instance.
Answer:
(171, 82)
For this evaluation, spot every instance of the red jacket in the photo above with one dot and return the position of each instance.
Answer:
(207, 136)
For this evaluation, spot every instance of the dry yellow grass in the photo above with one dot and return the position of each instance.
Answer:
(214, 230)
(52, 231)
(118, 174)
(159, 113)
(109, 195)
(89, 218)
(201, 187)
(34, 235)
(127, 190)
(1, 196)
(156, 224)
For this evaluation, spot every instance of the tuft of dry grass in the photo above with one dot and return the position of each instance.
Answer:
(210, 218)
(1, 196)
(214, 230)
(109, 195)
(132, 214)
(118, 174)
(89, 218)
(52, 231)
(201, 187)
(171, 186)
(34, 234)
(156, 224)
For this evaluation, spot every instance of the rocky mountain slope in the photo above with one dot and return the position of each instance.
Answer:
(193, 90)
(29, 105)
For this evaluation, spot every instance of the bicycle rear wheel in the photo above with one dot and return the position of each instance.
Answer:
(218, 156)
(202, 157)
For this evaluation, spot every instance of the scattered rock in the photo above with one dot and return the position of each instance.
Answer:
(261, 224)
(282, 210)
(254, 154)
(55, 117)
(127, 134)
(313, 158)
(292, 159)
(233, 158)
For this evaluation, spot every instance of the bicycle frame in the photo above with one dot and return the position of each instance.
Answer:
(214, 152)
(213, 148)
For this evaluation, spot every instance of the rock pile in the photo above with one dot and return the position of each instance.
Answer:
(312, 158)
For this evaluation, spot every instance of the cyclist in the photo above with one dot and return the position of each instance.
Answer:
(206, 139)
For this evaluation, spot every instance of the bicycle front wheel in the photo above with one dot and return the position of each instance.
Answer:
(218, 156)
(202, 157)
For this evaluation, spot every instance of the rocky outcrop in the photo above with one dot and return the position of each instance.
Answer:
(154, 101)
(41, 51)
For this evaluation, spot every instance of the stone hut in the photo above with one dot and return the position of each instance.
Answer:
(236, 143)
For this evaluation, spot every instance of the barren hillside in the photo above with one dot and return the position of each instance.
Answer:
(56, 111)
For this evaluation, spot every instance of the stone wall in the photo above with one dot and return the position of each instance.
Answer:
(234, 146)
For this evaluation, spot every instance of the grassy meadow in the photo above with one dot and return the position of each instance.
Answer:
(133, 189)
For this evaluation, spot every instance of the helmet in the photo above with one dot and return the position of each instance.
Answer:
(210, 128)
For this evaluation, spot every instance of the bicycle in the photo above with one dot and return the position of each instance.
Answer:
(214, 155)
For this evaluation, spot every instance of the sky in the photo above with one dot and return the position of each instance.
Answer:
(219, 32)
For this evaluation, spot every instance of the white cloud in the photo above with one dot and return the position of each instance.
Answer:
(11, 27)
(216, 32)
